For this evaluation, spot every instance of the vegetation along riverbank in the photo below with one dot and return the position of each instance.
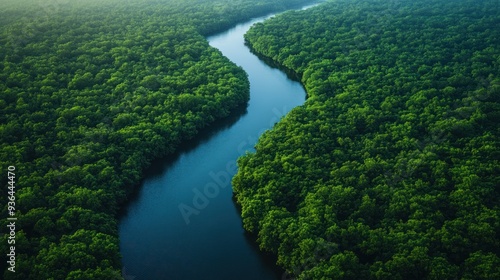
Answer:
(91, 92)
(391, 168)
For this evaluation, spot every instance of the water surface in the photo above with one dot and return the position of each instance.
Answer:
(183, 224)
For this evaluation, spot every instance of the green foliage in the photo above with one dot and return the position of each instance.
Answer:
(91, 92)
(394, 158)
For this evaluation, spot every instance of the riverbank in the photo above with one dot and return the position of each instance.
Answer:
(194, 230)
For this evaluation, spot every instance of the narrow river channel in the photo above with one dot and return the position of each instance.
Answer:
(206, 239)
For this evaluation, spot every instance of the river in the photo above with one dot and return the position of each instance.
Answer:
(183, 223)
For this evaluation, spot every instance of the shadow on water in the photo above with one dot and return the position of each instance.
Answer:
(161, 165)
(268, 258)
(291, 74)
(156, 242)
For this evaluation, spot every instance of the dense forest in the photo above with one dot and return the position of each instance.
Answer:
(391, 168)
(91, 92)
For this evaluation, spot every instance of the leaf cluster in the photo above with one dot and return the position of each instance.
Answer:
(391, 168)
(91, 92)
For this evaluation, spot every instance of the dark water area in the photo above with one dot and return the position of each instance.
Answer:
(183, 222)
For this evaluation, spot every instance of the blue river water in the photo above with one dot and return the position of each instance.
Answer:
(183, 224)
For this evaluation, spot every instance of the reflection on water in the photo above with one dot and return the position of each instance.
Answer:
(182, 223)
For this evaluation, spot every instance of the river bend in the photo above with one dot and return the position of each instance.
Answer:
(183, 224)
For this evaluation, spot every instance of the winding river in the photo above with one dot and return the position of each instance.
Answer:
(183, 223)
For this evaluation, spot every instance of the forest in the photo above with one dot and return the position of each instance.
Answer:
(91, 92)
(390, 170)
